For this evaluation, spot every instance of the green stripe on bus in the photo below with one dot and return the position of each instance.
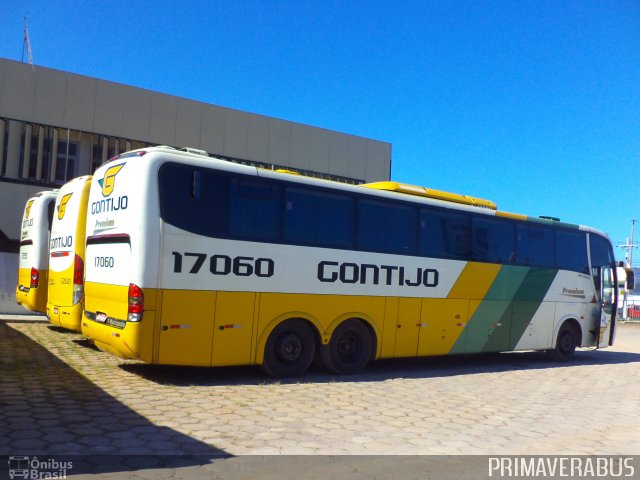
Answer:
(521, 309)
(527, 301)
(486, 321)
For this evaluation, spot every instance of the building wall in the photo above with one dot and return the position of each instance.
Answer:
(56, 125)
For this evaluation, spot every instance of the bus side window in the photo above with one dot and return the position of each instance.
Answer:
(535, 246)
(571, 251)
(315, 217)
(445, 234)
(254, 210)
(194, 199)
(493, 241)
(387, 228)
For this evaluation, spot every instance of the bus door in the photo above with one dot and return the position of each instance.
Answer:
(608, 302)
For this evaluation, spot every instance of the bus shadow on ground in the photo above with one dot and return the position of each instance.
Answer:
(388, 369)
(49, 410)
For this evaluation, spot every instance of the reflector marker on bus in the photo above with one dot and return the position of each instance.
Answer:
(59, 254)
(222, 327)
(421, 324)
(181, 325)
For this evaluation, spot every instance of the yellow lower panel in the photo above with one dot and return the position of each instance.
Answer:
(109, 299)
(406, 343)
(442, 322)
(233, 328)
(186, 327)
(34, 299)
(60, 287)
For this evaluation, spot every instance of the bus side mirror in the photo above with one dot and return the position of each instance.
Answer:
(630, 279)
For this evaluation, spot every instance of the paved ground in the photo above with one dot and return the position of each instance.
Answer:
(60, 396)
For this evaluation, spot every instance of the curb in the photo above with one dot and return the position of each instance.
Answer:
(23, 318)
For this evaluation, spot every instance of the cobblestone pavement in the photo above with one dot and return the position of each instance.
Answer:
(60, 396)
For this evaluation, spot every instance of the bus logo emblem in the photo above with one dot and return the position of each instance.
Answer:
(109, 182)
(62, 208)
(29, 204)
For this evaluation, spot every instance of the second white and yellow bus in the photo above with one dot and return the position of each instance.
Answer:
(192, 260)
(66, 255)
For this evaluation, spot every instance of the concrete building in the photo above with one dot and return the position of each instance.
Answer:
(56, 125)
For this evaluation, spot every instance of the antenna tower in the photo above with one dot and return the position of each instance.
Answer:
(629, 245)
(26, 44)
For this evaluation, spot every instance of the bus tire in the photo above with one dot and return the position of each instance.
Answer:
(290, 349)
(349, 349)
(566, 343)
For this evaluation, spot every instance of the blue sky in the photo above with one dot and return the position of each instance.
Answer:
(532, 104)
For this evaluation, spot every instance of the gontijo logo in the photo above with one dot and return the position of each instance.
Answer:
(108, 183)
(109, 180)
(62, 207)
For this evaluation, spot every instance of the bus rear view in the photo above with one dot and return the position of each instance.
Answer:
(66, 252)
(33, 266)
(115, 304)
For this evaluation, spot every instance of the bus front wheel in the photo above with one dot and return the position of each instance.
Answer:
(290, 349)
(349, 349)
(566, 343)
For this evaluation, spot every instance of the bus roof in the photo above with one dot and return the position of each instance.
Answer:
(385, 189)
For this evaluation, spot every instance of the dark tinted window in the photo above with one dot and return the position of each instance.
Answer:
(601, 253)
(444, 234)
(254, 210)
(493, 240)
(195, 200)
(318, 218)
(535, 246)
(571, 251)
(387, 228)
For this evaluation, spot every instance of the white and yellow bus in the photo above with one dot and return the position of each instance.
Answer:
(196, 261)
(33, 263)
(66, 251)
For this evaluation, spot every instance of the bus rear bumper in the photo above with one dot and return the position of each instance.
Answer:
(127, 340)
(69, 317)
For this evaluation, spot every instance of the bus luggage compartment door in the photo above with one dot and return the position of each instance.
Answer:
(186, 327)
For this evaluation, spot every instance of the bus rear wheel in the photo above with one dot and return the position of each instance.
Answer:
(349, 349)
(290, 349)
(566, 343)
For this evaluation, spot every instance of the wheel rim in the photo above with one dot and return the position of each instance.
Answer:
(349, 347)
(566, 342)
(289, 347)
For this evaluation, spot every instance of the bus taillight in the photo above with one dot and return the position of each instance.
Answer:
(136, 303)
(78, 279)
(35, 277)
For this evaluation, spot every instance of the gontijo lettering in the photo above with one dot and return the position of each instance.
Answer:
(374, 274)
(110, 205)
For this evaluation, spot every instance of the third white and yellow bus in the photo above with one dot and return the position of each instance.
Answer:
(192, 260)
(33, 261)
